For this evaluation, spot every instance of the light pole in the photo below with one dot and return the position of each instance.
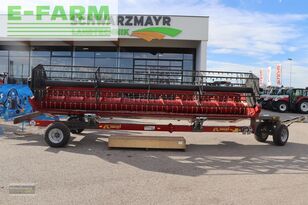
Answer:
(290, 61)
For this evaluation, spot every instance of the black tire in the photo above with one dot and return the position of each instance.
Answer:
(57, 135)
(262, 132)
(281, 135)
(76, 119)
(270, 106)
(282, 107)
(303, 107)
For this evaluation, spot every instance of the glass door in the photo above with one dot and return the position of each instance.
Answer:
(158, 71)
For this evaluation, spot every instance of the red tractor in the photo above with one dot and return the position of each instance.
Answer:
(295, 100)
(267, 99)
(3, 78)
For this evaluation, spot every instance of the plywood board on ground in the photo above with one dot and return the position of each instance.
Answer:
(147, 142)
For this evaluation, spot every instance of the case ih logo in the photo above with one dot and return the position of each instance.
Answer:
(157, 27)
(110, 127)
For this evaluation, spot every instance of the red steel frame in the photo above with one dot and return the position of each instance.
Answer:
(154, 127)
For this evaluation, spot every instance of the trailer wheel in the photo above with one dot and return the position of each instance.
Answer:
(303, 107)
(262, 132)
(57, 135)
(282, 107)
(76, 119)
(281, 135)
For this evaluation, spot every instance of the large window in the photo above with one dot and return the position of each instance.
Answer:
(61, 58)
(106, 59)
(40, 57)
(19, 64)
(163, 67)
(83, 58)
(128, 63)
(4, 61)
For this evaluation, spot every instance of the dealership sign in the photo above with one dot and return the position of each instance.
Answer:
(261, 79)
(157, 27)
(269, 76)
(151, 27)
(278, 75)
(92, 22)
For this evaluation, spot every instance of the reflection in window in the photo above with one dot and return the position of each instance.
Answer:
(164, 63)
(126, 55)
(40, 53)
(146, 55)
(84, 54)
(188, 57)
(20, 67)
(84, 58)
(152, 63)
(59, 72)
(84, 62)
(188, 65)
(35, 61)
(176, 56)
(121, 65)
(83, 73)
(61, 61)
(140, 62)
(62, 53)
(106, 54)
(187, 77)
(177, 63)
(4, 64)
(19, 53)
(126, 63)
(106, 62)
(176, 69)
(4, 53)
(19, 64)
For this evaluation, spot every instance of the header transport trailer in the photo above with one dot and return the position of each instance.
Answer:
(85, 94)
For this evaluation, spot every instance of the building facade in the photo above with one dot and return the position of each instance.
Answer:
(177, 43)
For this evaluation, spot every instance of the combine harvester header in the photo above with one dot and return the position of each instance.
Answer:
(197, 96)
(214, 95)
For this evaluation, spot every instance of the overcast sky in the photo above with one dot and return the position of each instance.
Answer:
(245, 34)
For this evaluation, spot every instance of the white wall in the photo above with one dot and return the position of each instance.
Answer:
(201, 56)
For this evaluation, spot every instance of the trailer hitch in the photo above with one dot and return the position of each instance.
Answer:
(289, 122)
(198, 124)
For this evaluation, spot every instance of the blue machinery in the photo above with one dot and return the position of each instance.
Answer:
(14, 101)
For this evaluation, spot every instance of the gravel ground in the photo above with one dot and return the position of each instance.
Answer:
(215, 169)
